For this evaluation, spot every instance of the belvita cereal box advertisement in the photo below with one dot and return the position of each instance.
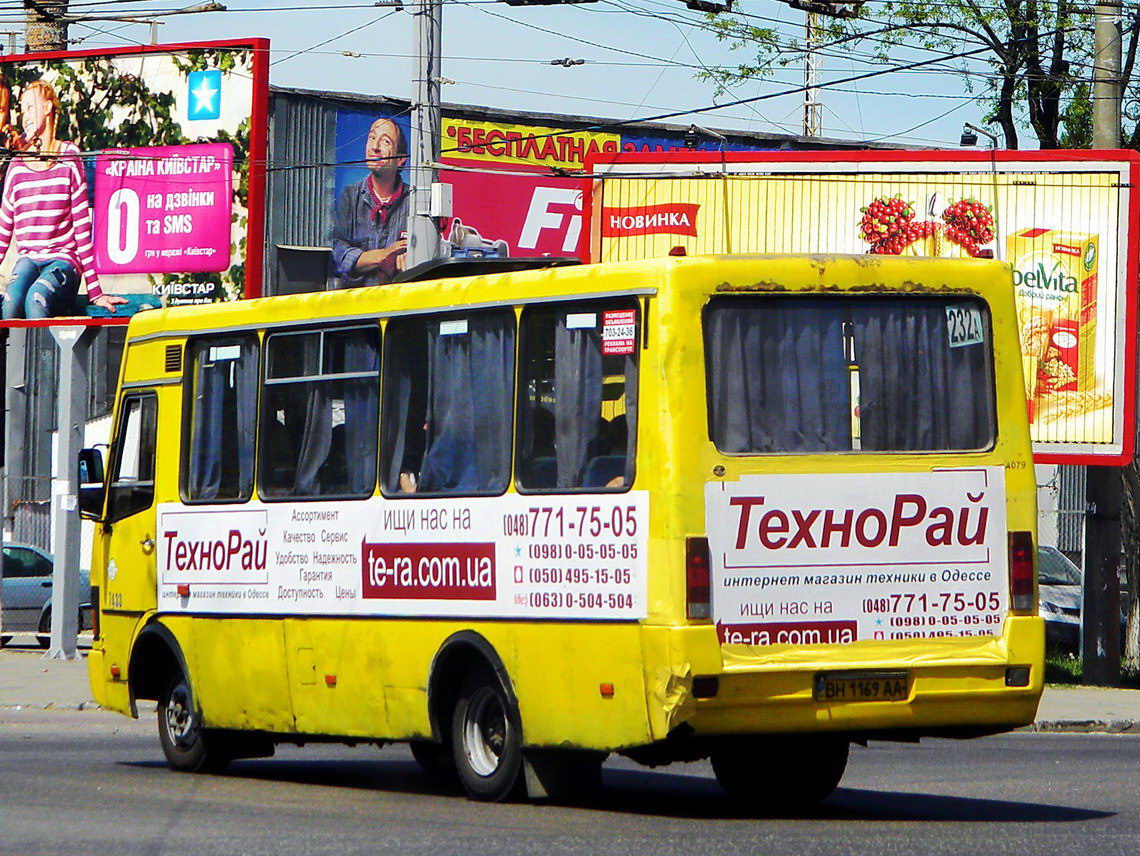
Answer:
(1063, 225)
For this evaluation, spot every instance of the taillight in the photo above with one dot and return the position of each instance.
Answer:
(1021, 571)
(697, 577)
(95, 613)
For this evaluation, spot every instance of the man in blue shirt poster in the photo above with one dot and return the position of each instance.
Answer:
(370, 231)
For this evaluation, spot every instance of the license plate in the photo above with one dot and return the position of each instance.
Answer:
(862, 686)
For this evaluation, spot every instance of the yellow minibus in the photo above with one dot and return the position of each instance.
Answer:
(749, 508)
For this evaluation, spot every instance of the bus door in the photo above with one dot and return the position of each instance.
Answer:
(127, 536)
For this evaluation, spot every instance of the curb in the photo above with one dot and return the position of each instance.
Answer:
(1085, 726)
(143, 706)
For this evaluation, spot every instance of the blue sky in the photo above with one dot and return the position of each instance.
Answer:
(641, 58)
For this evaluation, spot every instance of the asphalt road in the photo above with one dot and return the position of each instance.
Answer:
(93, 783)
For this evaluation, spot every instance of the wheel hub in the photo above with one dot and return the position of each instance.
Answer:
(484, 732)
(180, 723)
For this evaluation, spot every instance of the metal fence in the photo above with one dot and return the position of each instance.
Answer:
(31, 523)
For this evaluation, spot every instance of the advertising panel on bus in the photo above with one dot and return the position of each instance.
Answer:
(509, 556)
(155, 149)
(1064, 224)
(840, 557)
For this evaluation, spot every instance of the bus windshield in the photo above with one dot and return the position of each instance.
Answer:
(847, 374)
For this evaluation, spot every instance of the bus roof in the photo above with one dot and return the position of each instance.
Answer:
(712, 273)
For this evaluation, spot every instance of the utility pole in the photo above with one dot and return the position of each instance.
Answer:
(45, 28)
(423, 232)
(1100, 607)
(812, 103)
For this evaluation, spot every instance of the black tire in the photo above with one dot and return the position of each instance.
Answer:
(43, 638)
(187, 745)
(437, 760)
(486, 740)
(44, 635)
(781, 772)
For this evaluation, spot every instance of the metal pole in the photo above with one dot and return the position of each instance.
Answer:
(73, 342)
(45, 29)
(423, 233)
(811, 77)
(1100, 606)
(1106, 75)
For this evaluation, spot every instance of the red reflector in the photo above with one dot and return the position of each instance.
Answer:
(184, 590)
(1021, 555)
(678, 251)
(115, 672)
(330, 680)
(607, 690)
(697, 577)
(95, 607)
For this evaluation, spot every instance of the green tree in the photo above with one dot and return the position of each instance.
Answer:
(1033, 64)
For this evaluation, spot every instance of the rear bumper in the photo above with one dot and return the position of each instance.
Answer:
(109, 693)
(954, 686)
(942, 699)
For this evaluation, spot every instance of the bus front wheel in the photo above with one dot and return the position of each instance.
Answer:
(781, 773)
(486, 739)
(187, 745)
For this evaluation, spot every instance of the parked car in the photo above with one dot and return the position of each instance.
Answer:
(26, 590)
(1059, 599)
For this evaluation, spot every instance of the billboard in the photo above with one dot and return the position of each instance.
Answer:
(1062, 223)
(508, 199)
(130, 180)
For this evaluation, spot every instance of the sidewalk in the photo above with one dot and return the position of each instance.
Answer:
(27, 680)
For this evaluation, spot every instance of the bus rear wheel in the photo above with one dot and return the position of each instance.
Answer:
(486, 739)
(187, 745)
(781, 772)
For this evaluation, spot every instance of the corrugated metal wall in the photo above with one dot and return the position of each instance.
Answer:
(299, 190)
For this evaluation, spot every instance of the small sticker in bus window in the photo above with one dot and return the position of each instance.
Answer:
(219, 353)
(453, 328)
(964, 325)
(582, 321)
(619, 332)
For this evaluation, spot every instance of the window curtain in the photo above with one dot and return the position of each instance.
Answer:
(398, 401)
(916, 392)
(212, 437)
(207, 431)
(316, 437)
(577, 399)
(631, 385)
(470, 386)
(246, 384)
(778, 377)
(361, 401)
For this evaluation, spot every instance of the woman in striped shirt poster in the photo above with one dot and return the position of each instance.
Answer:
(44, 212)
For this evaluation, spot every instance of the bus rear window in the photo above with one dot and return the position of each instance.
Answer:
(841, 374)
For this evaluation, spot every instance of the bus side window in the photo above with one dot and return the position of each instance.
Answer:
(317, 435)
(448, 393)
(578, 397)
(132, 477)
(220, 398)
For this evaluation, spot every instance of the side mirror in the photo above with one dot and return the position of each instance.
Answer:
(91, 487)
